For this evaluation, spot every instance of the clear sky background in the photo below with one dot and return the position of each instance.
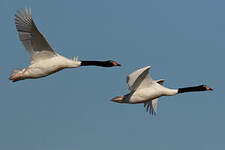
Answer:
(183, 41)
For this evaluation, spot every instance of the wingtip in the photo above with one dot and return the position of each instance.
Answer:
(26, 10)
(148, 67)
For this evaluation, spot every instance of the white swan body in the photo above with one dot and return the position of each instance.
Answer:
(144, 89)
(147, 91)
(155, 91)
(44, 60)
(50, 66)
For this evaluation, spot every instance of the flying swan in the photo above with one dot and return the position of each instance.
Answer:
(44, 60)
(145, 90)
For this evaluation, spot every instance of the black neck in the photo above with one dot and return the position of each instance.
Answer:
(192, 89)
(95, 63)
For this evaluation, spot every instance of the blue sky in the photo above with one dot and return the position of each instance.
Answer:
(182, 40)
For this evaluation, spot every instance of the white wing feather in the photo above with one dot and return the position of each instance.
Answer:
(139, 79)
(32, 39)
(152, 106)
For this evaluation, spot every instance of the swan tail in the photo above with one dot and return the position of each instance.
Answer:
(14, 75)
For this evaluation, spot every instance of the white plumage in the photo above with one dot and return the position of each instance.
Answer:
(145, 90)
(44, 60)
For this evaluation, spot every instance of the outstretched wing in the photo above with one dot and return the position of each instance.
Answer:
(139, 79)
(32, 39)
(152, 106)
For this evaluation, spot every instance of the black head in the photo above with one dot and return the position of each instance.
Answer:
(108, 63)
(111, 63)
(195, 89)
(206, 88)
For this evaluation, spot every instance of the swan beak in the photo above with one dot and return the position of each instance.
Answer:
(115, 64)
(119, 65)
(208, 88)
